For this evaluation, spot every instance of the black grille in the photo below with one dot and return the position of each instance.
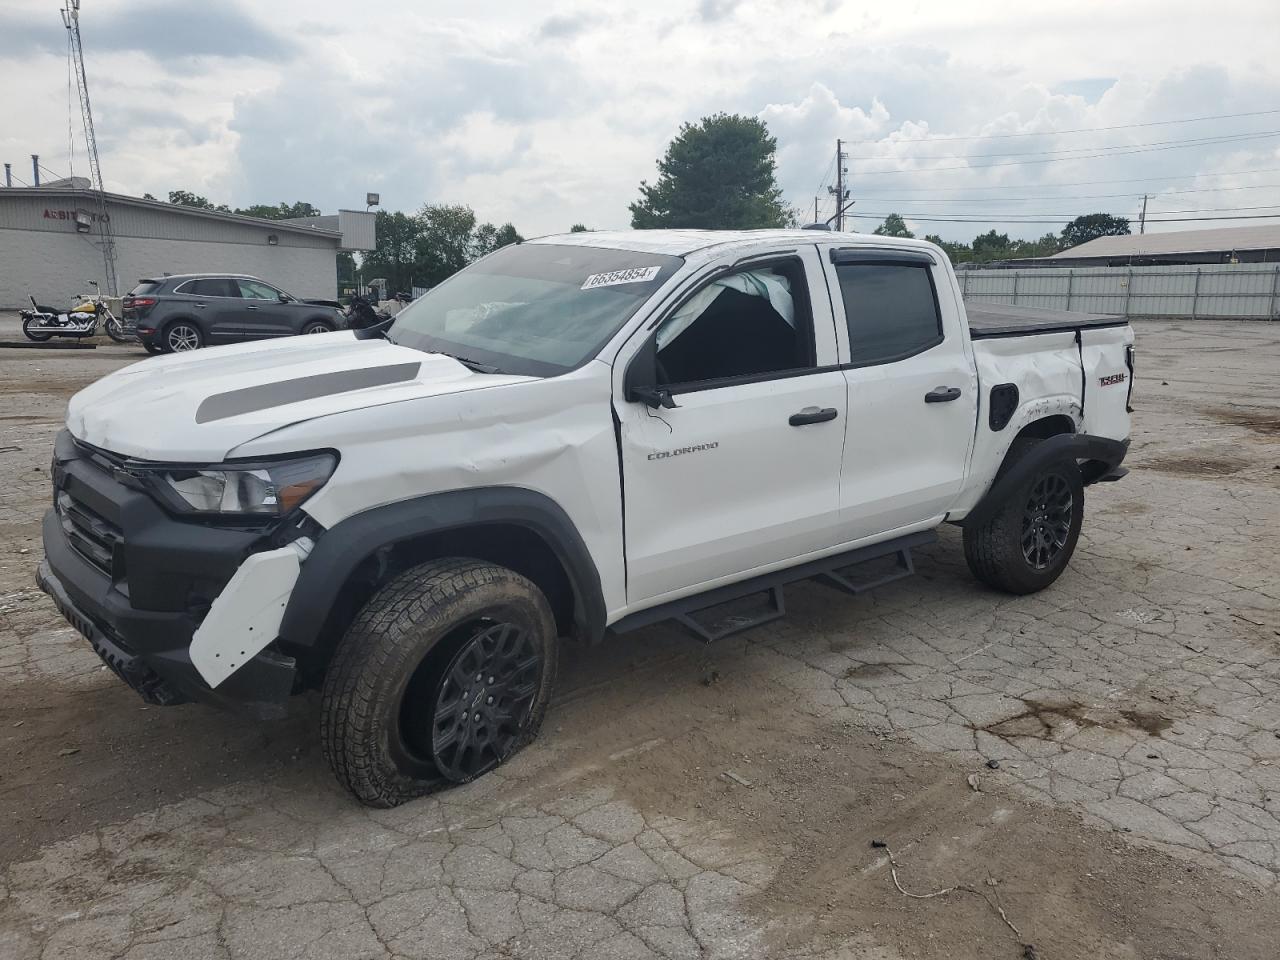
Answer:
(93, 537)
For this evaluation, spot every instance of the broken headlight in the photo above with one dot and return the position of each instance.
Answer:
(268, 489)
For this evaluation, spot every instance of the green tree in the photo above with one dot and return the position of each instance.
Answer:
(487, 238)
(445, 241)
(395, 253)
(990, 246)
(579, 228)
(186, 198)
(282, 211)
(893, 226)
(717, 174)
(956, 252)
(1091, 226)
(147, 196)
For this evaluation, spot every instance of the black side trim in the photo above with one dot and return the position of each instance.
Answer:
(1101, 456)
(341, 549)
(977, 333)
(680, 609)
(881, 257)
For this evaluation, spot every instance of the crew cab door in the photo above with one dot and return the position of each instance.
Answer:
(913, 391)
(742, 469)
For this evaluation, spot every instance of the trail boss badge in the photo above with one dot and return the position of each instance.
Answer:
(1112, 380)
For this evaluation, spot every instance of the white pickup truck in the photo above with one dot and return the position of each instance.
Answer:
(574, 436)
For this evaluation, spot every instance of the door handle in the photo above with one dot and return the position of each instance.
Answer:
(813, 415)
(942, 395)
(251, 307)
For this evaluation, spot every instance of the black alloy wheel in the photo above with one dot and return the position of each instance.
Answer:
(1046, 521)
(483, 700)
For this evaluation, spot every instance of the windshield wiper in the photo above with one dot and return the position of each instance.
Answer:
(475, 365)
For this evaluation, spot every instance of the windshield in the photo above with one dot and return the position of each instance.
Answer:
(535, 309)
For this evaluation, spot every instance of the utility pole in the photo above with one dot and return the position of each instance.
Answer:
(75, 50)
(815, 207)
(8, 175)
(1142, 217)
(841, 194)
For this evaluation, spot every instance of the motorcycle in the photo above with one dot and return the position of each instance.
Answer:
(362, 313)
(42, 323)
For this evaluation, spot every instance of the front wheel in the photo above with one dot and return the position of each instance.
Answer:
(1027, 543)
(115, 330)
(31, 330)
(317, 326)
(445, 673)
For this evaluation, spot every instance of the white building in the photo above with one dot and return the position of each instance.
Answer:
(51, 243)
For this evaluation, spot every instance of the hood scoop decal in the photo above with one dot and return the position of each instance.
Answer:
(221, 406)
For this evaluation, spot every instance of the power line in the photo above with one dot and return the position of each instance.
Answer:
(1047, 133)
(1083, 196)
(1020, 163)
(1012, 215)
(1219, 138)
(943, 219)
(1083, 183)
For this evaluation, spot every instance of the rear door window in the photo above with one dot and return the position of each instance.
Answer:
(891, 309)
(144, 287)
(214, 287)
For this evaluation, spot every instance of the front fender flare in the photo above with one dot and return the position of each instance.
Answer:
(345, 545)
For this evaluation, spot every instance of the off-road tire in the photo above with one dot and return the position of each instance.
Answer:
(413, 624)
(994, 549)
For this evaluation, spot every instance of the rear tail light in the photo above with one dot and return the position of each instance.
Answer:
(131, 303)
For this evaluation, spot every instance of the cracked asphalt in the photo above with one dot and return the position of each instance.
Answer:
(1094, 770)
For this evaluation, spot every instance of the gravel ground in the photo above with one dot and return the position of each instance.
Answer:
(1095, 770)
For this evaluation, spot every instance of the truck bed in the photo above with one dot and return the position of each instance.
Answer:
(987, 320)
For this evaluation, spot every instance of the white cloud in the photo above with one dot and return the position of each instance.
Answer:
(549, 114)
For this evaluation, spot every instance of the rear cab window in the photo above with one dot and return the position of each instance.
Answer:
(890, 305)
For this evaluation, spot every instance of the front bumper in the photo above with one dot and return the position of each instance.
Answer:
(136, 583)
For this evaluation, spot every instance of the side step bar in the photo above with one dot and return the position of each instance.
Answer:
(833, 571)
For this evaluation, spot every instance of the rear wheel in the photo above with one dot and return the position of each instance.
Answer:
(444, 674)
(181, 336)
(31, 331)
(1027, 543)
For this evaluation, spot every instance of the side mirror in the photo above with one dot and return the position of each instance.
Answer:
(640, 383)
(284, 298)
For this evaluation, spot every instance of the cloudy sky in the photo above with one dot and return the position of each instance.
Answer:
(546, 114)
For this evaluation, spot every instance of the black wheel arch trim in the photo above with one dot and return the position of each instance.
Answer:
(1097, 456)
(348, 543)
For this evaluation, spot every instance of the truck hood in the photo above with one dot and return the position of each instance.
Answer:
(197, 407)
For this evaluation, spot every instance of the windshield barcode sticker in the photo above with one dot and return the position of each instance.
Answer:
(613, 278)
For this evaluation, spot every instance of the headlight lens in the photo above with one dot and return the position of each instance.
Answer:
(265, 489)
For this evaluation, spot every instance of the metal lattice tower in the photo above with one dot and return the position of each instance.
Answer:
(71, 20)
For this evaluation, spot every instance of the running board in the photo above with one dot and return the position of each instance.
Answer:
(833, 571)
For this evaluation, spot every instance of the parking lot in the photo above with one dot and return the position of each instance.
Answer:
(1094, 770)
